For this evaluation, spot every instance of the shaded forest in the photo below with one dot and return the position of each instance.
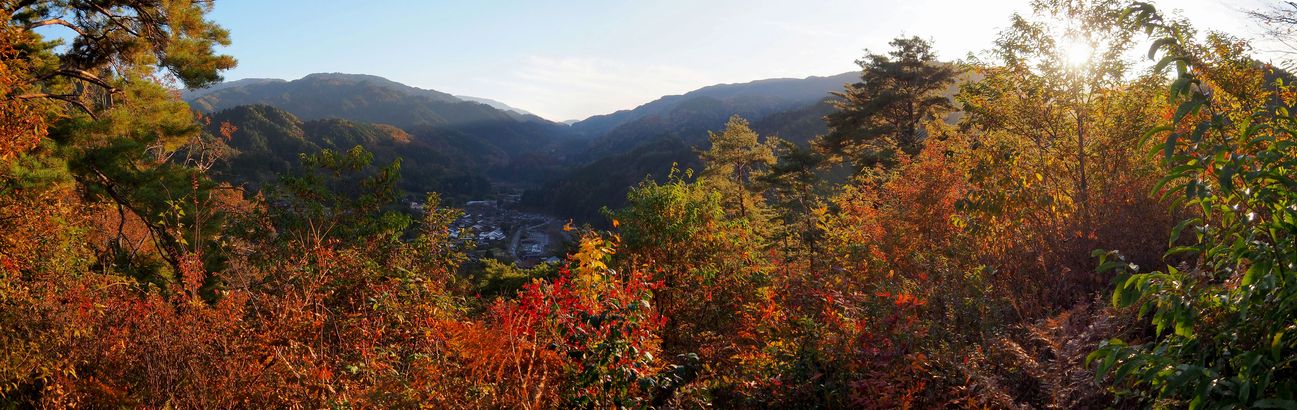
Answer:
(1098, 211)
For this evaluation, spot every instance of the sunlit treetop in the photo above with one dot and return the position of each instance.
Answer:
(116, 39)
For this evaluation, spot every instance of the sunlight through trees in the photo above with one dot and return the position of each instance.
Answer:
(1051, 223)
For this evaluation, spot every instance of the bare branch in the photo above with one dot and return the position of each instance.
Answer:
(67, 98)
(87, 76)
(164, 241)
(115, 19)
(57, 22)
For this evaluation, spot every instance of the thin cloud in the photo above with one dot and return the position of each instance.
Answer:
(577, 87)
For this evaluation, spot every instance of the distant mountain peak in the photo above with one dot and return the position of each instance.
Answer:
(345, 76)
(189, 95)
(753, 98)
(495, 104)
(363, 97)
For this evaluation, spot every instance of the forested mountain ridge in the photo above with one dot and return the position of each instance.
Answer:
(1090, 232)
(369, 98)
(627, 146)
(571, 171)
(507, 145)
(646, 141)
(457, 145)
(268, 141)
(753, 99)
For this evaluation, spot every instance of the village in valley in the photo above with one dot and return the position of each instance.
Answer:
(498, 230)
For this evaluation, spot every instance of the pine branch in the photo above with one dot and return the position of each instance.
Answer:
(73, 99)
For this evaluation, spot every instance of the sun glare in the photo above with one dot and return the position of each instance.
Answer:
(1075, 53)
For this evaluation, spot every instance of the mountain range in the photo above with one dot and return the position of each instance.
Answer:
(471, 147)
(626, 146)
(268, 141)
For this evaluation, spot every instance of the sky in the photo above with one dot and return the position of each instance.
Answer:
(572, 59)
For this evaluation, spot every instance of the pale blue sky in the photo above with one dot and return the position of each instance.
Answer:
(569, 59)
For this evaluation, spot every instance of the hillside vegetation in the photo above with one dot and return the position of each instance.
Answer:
(1017, 230)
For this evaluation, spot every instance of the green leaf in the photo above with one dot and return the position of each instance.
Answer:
(1180, 249)
(1106, 364)
(1179, 228)
(1156, 130)
(1183, 326)
(1156, 46)
(1189, 107)
(1226, 177)
(1180, 84)
(1186, 373)
(1276, 345)
(1258, 268)
(1169, 146)
(1125, 369)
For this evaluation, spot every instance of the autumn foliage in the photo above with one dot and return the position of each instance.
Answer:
(1073, 237)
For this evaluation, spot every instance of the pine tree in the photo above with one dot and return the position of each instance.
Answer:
(734, 163)
(109, 122)
(885, 111)
(795, 184)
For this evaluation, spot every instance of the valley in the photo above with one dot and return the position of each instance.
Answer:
(471, 148)
(497, 229)
(1095, 207)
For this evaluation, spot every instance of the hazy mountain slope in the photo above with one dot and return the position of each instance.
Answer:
(190, 95)
(460, 137)
(349, 96)
(791, 109)
(373, 99)
(494, 104)
(757, 98)
(660, 141)
(646, 141)
(798, 125)
(581, 192)
(456, 146)
(268, 142)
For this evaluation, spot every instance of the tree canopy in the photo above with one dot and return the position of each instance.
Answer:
(1064, 229)
(885, 111)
